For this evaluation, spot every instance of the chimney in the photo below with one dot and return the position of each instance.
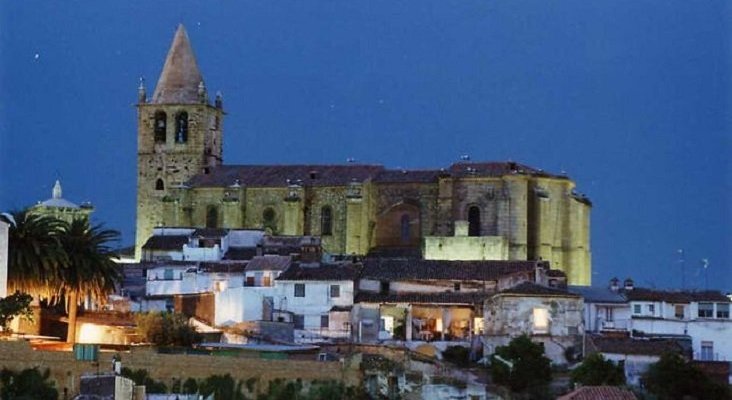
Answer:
(628, 285)
(614, 284)
(461, 228)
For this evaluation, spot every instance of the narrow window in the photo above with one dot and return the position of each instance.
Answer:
(324, 321)
(326, 221)
(636, 309)
(299, 321)
(473, 221)
(159, 185)
(299, 290)
(405, 228)
(212, 217)
(335, 290)
(679, 312)
(384, 287)
(181, 127)
(250, 281)
(707, 351)
(541, 321)
(456, 286)
(159, 128)
(267, 281)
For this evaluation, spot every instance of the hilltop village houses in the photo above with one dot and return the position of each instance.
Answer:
(473, 254)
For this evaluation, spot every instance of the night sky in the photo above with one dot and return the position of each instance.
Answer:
(631, 98)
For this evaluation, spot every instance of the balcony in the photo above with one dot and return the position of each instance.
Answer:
(615, 325)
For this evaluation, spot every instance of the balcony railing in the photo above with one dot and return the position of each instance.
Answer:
(615, 325)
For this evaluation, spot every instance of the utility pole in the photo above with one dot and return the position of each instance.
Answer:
(681, 266)
(705, 265)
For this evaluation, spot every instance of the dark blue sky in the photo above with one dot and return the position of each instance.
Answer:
(631, 98)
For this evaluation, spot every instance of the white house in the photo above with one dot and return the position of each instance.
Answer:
(704, 316)
(606, 308)
(254, 301)
(318, 298)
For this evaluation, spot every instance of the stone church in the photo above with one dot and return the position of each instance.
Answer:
(509, 210)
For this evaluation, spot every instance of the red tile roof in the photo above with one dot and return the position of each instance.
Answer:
(599, 393)
(643, 294)
(628, 345)
(529, 289)
(418, 269)
(467, 298)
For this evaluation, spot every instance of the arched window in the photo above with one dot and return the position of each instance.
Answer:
(212, 217)
(405, 233)
(181, 127)
(160, 126)
(269, 220)
(326, 221)
(473, 221)
(159, 184)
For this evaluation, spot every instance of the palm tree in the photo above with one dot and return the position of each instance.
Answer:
(34, 253)
(90, 270)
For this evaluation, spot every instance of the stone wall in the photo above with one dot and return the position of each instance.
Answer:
(66, 372)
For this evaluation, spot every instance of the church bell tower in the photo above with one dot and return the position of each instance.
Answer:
(179, 134)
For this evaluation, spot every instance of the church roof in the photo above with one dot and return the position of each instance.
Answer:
(282, 175)
(178, 83)
(343, 174)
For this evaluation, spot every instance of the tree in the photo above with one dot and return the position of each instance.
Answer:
(166, 329)
(89, 270)
(28, 384)
(35, 253)
(521, 365)
(672, 377)
(595, 370)
(17, 304)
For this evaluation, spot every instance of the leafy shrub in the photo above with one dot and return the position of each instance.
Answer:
(457, 355)
(166, 329)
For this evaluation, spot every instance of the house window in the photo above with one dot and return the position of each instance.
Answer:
(679, 311)
(267, 281)
(212, 217)
(160, 121)
(159, 185)
(405, 235)
(250, 281)
(324, 321)
(299, 290)
(722, 310)
(181, 127)
(651, 308)
(541, 320)
(335, 290)
(326, 221)
(609, 314)
(636, 309)
(706, 310)
(299, 321)
(473, 221)
(384, 287)
(707, 351)
(456, 286)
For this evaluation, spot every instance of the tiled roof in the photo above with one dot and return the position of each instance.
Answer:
(278, 175)
(418, 269)
(423, 297)
(628, 345)
(320, 272)
(407, 176)
(556, 273)
(343, 174)
(598, 294)
(529, 288)
(269, 263)
(223, 267)
(172, 242)
(395, 252)
(643, 294)
(497, 169)
(599, 393)
(240, 253)
(210, 232)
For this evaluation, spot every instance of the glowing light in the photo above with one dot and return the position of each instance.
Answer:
(541, 320)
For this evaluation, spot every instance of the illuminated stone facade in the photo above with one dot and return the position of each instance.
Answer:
(182, 181)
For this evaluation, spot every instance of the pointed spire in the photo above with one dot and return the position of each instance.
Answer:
(179, 81)
(57, 193)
